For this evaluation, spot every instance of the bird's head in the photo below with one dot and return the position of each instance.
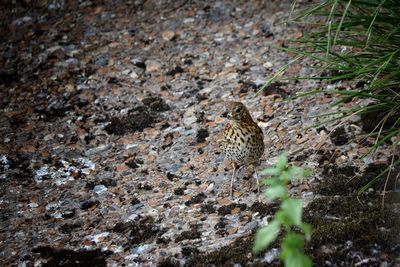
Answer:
(238, 112)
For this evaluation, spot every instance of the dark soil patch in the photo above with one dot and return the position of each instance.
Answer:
(67, 228)
(373, 119)
(179, 191)
(134, 163)
(87, 204)
(264, 209)
(276, 89)
(122, 227)
(108, 182)
(342, 180)
(175, 70)
(20, 169)
(236, 253)
(347, 229)
(190, 234)
(221, 224)
(136, 121)
(208, 208)
(135, 201)
(201, 135)
(65, 257)
(189, 251)
(326, 157)
(156, 104)
(168, 262)
(144, 186)
(339, 136)
(196, 199)
(142, 230)
(339, 220)
(227, 209)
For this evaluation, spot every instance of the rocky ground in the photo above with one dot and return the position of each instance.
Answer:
(111, 112)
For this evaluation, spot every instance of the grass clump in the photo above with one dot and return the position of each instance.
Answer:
(356, 41)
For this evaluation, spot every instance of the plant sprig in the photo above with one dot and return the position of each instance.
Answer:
(287, 217)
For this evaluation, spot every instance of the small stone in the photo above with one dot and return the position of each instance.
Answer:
(251, 226)
(122, 167)
(33, 205)
(126, 72)
(168, 35)
(268, 65)
(188, 20)
(232, 230)
(271, 255)
(101, 61)
(153, 66)
(235, 211)
(134, 75)
(189, 120)
(97, 150)
(99, 189)
(138, 62)
(224, 201)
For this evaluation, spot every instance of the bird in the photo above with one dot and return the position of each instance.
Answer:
(243, 140)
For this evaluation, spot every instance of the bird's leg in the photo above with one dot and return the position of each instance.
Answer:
(258, 182)
(235, 171)
(232, 178)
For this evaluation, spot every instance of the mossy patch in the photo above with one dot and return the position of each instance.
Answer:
(344, 180)
(264, 209)
(345, 231)
(345, 224)
(239, 252)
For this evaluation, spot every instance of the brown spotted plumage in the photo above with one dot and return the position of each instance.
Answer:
(243, 139)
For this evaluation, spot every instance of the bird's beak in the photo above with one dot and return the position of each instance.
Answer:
(225, 114)
(229, 115)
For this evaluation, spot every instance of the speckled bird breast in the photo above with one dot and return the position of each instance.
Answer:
(243, 143)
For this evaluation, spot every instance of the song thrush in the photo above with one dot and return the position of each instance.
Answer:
(243, 140)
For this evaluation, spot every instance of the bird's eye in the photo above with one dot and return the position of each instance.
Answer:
(238, 108)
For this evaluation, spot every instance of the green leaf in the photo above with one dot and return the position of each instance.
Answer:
(307, 229)
(276, 191)
(297, 260)
(292, 242)
(297, 173)
(271, 171)
(271, 181)
(285, 177)
(281, 163)
(294, 209)
(266, 235)
(283, 218)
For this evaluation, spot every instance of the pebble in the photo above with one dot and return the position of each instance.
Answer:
(189, 120)
(271, 255)
(97, 150)
(153, 66)
(133, 75)
(33, 205)
(99, 189)
(168, 35)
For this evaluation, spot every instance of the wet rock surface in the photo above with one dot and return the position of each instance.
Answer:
(111, 115)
